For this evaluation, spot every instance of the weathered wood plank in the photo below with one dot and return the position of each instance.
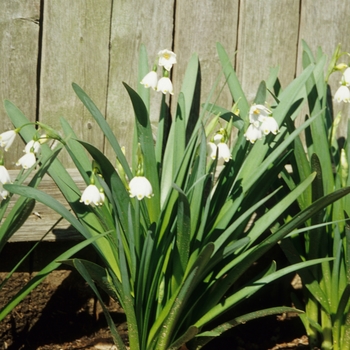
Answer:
(19, 35)
(268, 37)
(325, 24)
(133, 24)
(44, 219)
(199, 26)
(75, 48)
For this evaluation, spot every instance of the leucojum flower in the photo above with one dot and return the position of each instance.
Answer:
(140, 187)
(92, 196)
(219, 147)
(166, 59)
(343, 93)
(4, 179)
(32, 150)
(261, 123)
(7, 138)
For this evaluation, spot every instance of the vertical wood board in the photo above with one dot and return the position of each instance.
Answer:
(268, 37)
(325, 24)
(19, 35)
(75, 48)
(199, 26)
(134, 24)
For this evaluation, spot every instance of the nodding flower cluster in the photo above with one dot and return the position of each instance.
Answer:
(31, 152)
(166, 59)
(261, 123)
(343, 93)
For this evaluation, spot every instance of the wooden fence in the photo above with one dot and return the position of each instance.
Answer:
(46, 45)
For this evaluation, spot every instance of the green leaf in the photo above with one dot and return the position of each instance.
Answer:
(85, 271)
(106, 129)
(144, 132)
(205, 337)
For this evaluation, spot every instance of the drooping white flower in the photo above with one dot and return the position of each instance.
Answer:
(346, 77)
(218, 138)
(27, 161)
(92, 195)
(4, 175)
(7, 138)
(165, 85)
(253, 133)
(166, 59)
(257, 113)
(342, 94)
(221, 149)
(150, 80)
(3, 193)
(4, 179)
(140, 187)
(268, 125)
(211, 150)
(33, 146)
(224, 151)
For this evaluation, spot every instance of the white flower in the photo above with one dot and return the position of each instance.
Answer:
(4, 175)
(268, 125)
(140, 187)
(4, 179)
(346, 77)
(342, 94)
(224, 152)
(3, 192)
(257, 113)
(150, 80)
(27, 161)
(92, 195)
(7, 138)
(211, 150)
(33, 146)
(221, 148)
(166, 59)
(253, 133)
(165, 85)
(218, 138)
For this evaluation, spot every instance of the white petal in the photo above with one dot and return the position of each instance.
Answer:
(269, 125)
(346, 77)
(211, 150)
(3, 193)
(342, 94)
(4, 175)
(33, 146)
(150, 80)
(224, 152)
(218, 138)
(140, 187)
(258, 112)
(27, 161)
(253, 133)
(165, 85)
(166, 59)
(92, 195)
(7, 138)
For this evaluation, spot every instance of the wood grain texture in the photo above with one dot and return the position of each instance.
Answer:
(74, 49)
(326, 24)
(268, 37)
(19, 36)
(132, 25)
(199, 26)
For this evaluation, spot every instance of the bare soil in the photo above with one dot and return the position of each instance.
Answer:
(62, 314)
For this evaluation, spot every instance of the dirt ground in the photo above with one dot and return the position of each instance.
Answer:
(62, 314)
